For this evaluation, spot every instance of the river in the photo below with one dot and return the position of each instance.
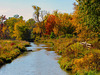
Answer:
(39, 61)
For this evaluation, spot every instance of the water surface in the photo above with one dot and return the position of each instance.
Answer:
(38, 62)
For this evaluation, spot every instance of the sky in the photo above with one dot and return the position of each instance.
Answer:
(24, 7)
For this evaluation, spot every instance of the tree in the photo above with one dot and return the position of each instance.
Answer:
(50, 24)
(42, 14)
(2, 18)
(55, 12)
(21, 17)
(21, 31)
(10, 25)
(37, 12)
(16, 16)
(31, 23)
(89, 11)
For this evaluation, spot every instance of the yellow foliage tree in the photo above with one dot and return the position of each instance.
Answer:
(21, 31)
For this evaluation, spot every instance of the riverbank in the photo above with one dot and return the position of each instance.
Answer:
(10, 49)
(76, 58)
(38, 62)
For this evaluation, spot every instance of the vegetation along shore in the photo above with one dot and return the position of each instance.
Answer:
(74, 36)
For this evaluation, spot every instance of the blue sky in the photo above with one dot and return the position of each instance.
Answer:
(24, 7)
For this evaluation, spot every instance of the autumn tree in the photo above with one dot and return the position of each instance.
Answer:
(2, 18)
(50, 24)
(10, 23)
(21, 31)
(2, 25)
(89, 13)
(55, 12)
(64, 24)
(43, 13)
(31, 23)
(37, 12)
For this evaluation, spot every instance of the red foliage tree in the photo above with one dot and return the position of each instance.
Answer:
(51, 21)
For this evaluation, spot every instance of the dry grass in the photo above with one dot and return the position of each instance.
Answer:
(75, 57)
(11, 49)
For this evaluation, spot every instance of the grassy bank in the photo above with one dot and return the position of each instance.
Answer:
(9, 50)
(76, 58)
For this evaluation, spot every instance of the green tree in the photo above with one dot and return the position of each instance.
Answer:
(89, 11)
(16, 16)
(31, 23)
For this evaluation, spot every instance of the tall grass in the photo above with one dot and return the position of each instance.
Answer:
(11, 49)
(76, 57)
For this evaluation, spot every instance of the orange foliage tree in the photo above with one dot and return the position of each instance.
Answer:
(50, 24)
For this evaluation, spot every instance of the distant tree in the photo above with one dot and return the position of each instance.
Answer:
(10, 24)
(21, 31)
(55, 12)
(42, 14)
(37, 12)
(21, 17)
(31, 23)
(16, 16)
(50, 24)
(2, 19)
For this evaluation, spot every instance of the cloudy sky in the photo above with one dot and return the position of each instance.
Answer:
(24, 7)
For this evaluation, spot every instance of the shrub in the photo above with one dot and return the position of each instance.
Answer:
(62, 36)
(90, 73)
(52, 35)
(69, 35)
(11, 49)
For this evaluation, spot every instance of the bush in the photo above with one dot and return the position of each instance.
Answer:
(69, 35)
(90, 73)
(52, 35)
(62, 36)
(11, 49)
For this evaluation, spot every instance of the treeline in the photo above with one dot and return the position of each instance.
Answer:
(16, 28)
(83, 23)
